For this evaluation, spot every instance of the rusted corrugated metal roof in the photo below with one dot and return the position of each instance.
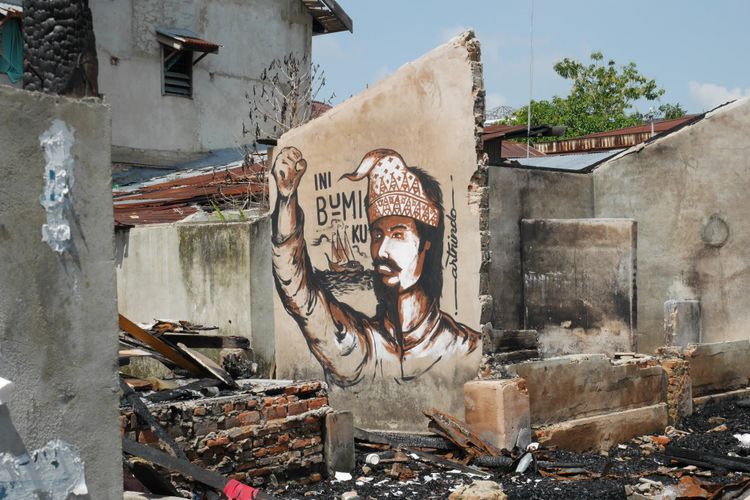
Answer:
(500, 130)
(613, 139)
(11, 10)
(512, 149)
(180, 195)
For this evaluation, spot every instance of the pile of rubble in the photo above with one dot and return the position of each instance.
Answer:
(706, 457)
(199, 431)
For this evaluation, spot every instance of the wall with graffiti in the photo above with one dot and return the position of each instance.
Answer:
(376, 247)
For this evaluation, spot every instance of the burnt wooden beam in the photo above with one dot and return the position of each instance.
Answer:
(160, 346)
(201, 341)
(188, 469)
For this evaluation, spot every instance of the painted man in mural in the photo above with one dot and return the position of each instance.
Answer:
(409, 334)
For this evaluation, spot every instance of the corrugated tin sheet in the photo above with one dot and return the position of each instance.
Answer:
(184, 39)
(567, 163)
(179, 195)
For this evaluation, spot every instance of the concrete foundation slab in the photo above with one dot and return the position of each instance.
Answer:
(719, 367)
(578, 386)
(604, 431)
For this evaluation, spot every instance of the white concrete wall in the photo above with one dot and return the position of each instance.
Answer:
(252, 34)
(215, 274)
(678, 188)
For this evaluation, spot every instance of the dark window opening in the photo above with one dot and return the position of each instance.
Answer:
(177, 72)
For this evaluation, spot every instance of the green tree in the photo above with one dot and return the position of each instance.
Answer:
(601, 98)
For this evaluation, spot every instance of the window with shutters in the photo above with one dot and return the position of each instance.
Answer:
(177, 72)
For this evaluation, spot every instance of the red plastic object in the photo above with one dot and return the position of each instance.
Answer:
(235, 490)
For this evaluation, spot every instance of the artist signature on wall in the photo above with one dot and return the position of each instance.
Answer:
(451, 258)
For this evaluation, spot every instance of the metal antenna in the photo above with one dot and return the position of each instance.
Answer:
(531, 77)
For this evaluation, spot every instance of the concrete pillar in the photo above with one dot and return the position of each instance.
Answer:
(498, 410)
(339, 443)
(682, 322)
(58, 305)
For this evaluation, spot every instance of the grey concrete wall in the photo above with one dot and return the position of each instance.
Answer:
(252, 34)
(688, 192)
(579, 284)
(214, 273)
(58, 311)
(517, 194)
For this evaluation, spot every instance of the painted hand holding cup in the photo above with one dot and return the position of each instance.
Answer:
(288, 169)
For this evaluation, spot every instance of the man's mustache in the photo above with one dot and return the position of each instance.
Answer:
(390, 264)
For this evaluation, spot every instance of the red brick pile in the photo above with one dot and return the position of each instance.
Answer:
(260, 431)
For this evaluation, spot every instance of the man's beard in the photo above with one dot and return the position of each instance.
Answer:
(385, 295)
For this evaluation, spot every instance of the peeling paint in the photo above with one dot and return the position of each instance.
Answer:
(58, 181)
(54, 472)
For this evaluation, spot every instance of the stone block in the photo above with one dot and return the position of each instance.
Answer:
(682, 322)
(577, 386)
(479, 490)
(719, 367)
(603, 431)
(498, 410)
(339, 442)
(579, 284)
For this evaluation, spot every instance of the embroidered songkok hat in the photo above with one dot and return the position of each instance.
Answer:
(393, 188)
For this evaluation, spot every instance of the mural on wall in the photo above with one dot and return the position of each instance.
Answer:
(395, 212)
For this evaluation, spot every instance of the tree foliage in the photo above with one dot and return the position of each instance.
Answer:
(601, 98)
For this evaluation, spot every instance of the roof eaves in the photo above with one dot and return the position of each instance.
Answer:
(328, 17)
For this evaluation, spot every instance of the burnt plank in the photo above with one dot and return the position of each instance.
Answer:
(201, 341)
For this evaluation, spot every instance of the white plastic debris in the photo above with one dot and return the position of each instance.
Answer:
(532, 446)
(343, 476)
(524, 463)
(372, 459)
(744, 440)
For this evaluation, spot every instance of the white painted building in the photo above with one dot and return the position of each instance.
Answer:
(175, 72)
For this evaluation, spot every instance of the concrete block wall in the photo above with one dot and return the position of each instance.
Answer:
(58, 309)
(216, 274)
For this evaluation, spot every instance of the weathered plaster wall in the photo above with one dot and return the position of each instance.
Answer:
(252, 34)
(688, 192)
(517, 194)
(579, 284)
(58, 311)
(215, 274)
(407, 112)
